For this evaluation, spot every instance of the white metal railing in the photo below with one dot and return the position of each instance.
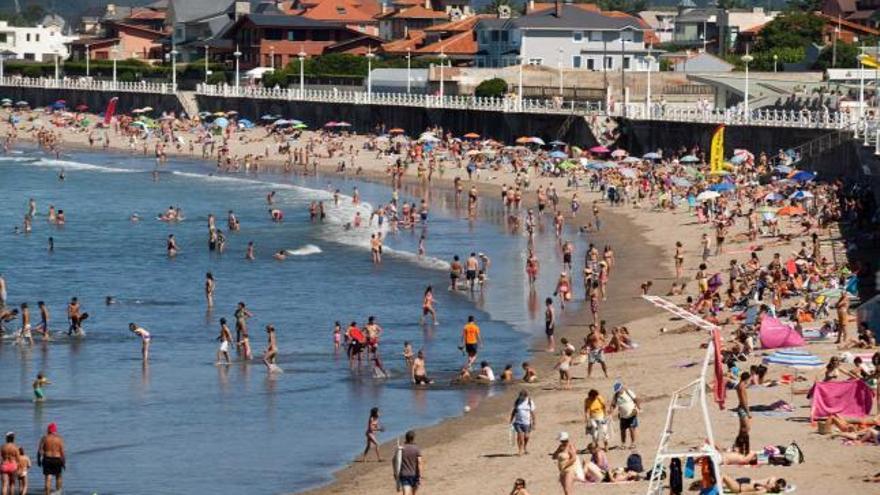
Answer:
(463, 102)
(88, 84)
(737, 116)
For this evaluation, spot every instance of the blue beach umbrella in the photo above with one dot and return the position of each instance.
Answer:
(794, 358)
(774, 197)
(801, 195)
(782, 169)
(803, 176)
(221, 122)
(557, 143)
(689, 159)
(558, 154)
(245, 123)
(722, 187)
(681, 182)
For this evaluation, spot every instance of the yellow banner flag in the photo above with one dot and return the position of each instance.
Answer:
(716, 155)
(869, 61)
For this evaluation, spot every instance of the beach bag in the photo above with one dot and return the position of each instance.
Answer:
(660, 471)
(794, 454)
(634, 463)
(689, 465)
(676, 482)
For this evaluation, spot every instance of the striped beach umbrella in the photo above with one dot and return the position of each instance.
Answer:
(794, 358)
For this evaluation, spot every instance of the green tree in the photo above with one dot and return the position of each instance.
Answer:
(628, 6)
(846, 56)
(805, 5)
(492, 88)
(791, 29)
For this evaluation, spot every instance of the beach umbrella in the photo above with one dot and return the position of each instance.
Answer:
(557, 143)
(629, 172)
(332, 123)
(791, 211)
(138, 111)
(794, 358)
(232, 112)
(147, 109)
(396, 130)
(737, 159)
(774, 196)
(799, 195)
(618, 153)
(599, 149)
(58, 105)
(267, 117)
(343, 123)
(281, 123)
(782, 169)
(536, 140)
(245, 123)
(428, 138)
(707, 195)
(221, 122)
(471, 135)
(575, 150)
(82, 107)
(722, 187)
(566, 165)
(558, 154)
(803, 176)
(681, 182)
(652, 156)
(21, 103)
(523, 140)
(689, 159)
(631, 159)
(300, 126)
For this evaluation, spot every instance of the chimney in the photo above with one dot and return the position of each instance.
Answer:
(558, 8)
(428, 4)
(242, 9)
(531, 7)
(111, 9)
(384, 7)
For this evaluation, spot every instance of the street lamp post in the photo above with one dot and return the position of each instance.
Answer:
(115, 52)
(302, 85)
(207, 72)
(746, 60)
(442, 63)
(650, 59)
(174, 54)
(775, 59)
(2, 60)
(88, 72)
(861, 85)
(519, 97)
(57, 71)
(408, 71)
(560, 51)
(370, 56)
(237, 56)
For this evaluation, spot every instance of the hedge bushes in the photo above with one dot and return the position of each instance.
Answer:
(491, 88)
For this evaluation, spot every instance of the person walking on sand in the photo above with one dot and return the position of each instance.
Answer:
(595, 344)
(145, 340)
(595, 418)
(522, 420)
(628, 409)
(470, 337)
(409, 466)
(373, 427)
(566, 458)
(51, 456)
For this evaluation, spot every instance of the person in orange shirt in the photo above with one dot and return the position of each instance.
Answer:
(470, 337)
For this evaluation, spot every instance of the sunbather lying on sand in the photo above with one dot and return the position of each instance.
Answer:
(747, 485)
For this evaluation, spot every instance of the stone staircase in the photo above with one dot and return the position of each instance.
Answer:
(188, 102)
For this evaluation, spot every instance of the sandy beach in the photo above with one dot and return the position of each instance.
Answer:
(473, 453)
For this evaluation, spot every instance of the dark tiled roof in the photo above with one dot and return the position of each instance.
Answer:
(575, 18)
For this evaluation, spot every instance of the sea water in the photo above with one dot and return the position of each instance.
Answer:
(182, 424)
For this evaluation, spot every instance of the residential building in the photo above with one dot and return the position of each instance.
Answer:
(274, 40)
(732, 22)
(134, 32)
(662, 22)
(40, 43)
(862, 12)
(193, 23)
(696, 27)
(396, 24)
(696, 61)
(576, 36)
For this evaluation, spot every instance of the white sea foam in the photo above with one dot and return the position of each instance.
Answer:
(16, 159)
(71, 165)
(304, 250)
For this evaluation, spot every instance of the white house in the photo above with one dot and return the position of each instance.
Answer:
(575, 36)
(41, 43)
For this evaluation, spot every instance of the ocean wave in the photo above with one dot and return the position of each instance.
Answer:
(71, 165)
(311, 194)
(304, 250)
(17, 159)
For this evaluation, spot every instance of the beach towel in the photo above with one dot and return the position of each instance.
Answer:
(851, 398)
(720, 387)
(775, 335)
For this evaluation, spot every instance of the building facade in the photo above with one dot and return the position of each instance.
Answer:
(40, 43)
(571, 36)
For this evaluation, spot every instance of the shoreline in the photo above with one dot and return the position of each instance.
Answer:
(618, 232)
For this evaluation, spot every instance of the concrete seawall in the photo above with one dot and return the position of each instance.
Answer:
(503, 126)
(96, 100)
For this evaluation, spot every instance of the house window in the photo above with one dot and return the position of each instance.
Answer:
(505, 36)
(296, 35)
(2, 37)
(626, 62)
(609, 62)
(320, 35)
(627, 35)
(496, 35)
(484, 37)
(27, 37)
(591, 64)
(38, 37)
(577, 36)
(576, 62)
(29, 56)
(274, 34)
(536, 61)
(595, 35)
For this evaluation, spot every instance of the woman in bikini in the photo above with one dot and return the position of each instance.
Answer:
(428, 305)
(679, 260)
(532, 268)
(373, 427)
(563, 289)
(145, 340)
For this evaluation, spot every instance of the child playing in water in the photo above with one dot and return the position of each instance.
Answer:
(39, 383)
(408, 354)
(337, 337)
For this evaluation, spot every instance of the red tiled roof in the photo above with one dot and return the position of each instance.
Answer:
(458, 26)
(850, 26)
(754, 29)
(338, 10)
(142, 29)
(146, 14)
(463, 43)
(419, 12)
(412, 42)
(590, 7)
